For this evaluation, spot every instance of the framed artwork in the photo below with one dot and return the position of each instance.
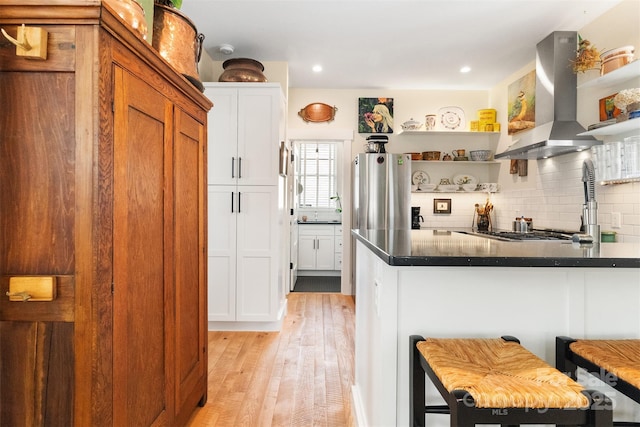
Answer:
(375, 115)
(521, 99)
(441, 206)
(608, 110)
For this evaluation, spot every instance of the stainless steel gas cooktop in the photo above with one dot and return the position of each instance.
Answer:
(531, 235)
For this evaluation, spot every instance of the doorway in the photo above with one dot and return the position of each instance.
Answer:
(327, 222)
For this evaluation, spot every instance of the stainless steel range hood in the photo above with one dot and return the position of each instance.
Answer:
(555, 104)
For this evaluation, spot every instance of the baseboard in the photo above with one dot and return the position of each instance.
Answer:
(357, 407)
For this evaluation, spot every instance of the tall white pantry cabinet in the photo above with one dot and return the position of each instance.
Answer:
(246, 207)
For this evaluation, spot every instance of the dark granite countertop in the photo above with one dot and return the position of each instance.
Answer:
(450, 248)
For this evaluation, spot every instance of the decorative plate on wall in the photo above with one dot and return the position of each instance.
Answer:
(318, 112)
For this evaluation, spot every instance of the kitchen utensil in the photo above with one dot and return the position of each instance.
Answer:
(480, 155)
(522, 225)
(431, 155)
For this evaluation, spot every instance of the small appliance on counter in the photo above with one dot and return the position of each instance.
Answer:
(416, 218)
(375, 144)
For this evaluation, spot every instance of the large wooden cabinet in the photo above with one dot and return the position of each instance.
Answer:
(246, 207)
(102, 168)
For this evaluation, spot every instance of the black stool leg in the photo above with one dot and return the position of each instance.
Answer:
(600, 409)
(563, 361)
(416, 384)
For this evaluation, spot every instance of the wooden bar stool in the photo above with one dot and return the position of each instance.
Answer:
(497, 381)
(614, 362)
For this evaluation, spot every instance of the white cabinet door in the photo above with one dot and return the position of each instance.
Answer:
(222, 131)
(259, 136)
(258, 245)
(245, 127)
(306, 252)
(325, 252)
(222, 253)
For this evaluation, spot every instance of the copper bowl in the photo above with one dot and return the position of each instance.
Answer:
(415, 156)
(430, 155)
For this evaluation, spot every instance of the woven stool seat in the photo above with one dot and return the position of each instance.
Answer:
(620, 357)
(500, 374)
(497, 381)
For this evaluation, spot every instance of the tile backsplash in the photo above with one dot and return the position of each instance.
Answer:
(553, 201)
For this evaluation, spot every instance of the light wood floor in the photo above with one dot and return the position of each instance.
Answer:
(301, 376)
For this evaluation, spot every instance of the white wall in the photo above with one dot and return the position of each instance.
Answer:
(552, 193)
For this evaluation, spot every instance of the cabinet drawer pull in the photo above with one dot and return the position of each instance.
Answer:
(233, 167)
(239, 167)
(239, 200)
(232, 201)
(25, 296)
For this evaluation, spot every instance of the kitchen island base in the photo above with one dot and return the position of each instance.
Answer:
(533, 304)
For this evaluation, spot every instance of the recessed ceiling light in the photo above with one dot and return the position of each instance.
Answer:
(465, 69)
(317, 68)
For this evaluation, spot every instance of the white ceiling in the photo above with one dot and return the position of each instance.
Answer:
(398, 44)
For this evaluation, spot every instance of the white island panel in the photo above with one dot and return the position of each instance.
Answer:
(533, 304)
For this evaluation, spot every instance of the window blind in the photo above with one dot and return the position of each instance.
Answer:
(317, 174)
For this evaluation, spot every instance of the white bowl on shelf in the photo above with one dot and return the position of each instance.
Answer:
(426, 188)
(469, 187)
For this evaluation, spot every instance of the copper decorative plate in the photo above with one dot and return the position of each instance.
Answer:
(318, 112)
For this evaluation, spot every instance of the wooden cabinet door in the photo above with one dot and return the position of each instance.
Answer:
(37, 237)
(142, 267)
(189, 260)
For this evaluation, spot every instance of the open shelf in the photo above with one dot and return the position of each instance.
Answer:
(622, 74)
(615, 129)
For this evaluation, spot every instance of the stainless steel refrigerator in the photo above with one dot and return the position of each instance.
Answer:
(382, 191)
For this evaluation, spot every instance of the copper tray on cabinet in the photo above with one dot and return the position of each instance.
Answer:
(318, 112)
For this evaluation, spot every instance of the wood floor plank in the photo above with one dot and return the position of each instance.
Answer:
(300, 376)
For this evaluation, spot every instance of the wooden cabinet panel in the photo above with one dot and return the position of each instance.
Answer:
(189, 238)
(102, 164)
(142, 280)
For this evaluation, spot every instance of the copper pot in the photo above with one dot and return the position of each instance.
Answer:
(177, 40)
(242, 70)
(132, 13)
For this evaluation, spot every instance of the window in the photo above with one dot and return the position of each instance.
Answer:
(316, 173)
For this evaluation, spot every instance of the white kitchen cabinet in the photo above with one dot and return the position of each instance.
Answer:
(246, 256)
(316, 247)
(248, 123)
(338, 247)
(244, 243)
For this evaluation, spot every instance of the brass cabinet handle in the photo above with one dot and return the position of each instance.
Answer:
(25, 296)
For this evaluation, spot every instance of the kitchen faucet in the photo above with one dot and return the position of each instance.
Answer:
(590, 207)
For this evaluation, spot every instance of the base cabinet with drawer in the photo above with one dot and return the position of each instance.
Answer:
(102, 165)
(319, 247)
